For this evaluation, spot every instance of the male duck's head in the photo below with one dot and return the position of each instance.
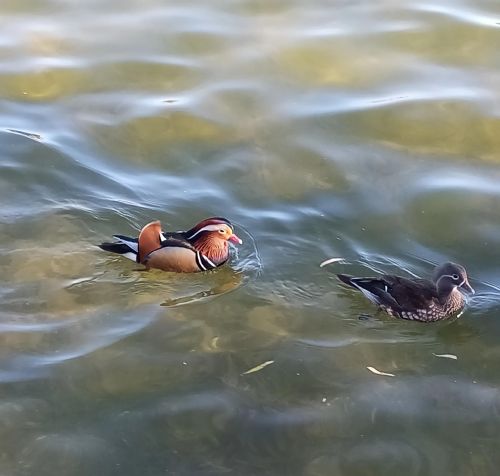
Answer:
(211, 236)
(215, 229)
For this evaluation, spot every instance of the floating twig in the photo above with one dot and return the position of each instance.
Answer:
(259, 367)
(445, 356)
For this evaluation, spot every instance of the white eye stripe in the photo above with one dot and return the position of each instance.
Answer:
(207, 228)
(450, 276)
(444, 276)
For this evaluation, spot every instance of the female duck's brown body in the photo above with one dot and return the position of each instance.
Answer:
(416, 299)
(203, 247)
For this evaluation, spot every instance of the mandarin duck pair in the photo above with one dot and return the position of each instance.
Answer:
(206, 246)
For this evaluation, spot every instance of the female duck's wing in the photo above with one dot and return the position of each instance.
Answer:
(398, 293)
(377, 290)
(411, 294)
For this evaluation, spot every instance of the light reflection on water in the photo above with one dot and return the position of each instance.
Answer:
(367, 131)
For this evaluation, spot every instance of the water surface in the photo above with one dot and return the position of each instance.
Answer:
(363, 130)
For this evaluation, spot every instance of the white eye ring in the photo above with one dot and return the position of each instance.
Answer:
(455, 277)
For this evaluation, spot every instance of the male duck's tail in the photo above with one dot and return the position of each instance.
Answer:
(125, 246)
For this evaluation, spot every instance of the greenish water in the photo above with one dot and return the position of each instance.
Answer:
(364, 130)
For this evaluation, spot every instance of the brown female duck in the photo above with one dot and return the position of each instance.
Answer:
(416, 299)
(201, 248)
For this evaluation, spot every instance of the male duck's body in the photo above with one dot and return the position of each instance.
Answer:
(416, 299)
(201, 248)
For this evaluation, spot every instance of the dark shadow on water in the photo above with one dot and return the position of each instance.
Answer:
(226, 287)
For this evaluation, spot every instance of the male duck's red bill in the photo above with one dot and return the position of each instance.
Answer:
(201, 248)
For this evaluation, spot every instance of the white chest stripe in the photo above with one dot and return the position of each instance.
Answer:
(203, 262)
(211, 263)
(199, 261)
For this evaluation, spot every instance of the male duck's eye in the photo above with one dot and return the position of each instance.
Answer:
(455, 277)
(222, 231)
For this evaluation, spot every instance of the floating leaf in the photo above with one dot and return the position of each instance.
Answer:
(259, 367)
(332, 260)
(446, 356)
(378, 372)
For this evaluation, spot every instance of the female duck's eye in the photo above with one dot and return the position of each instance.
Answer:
(455, 277)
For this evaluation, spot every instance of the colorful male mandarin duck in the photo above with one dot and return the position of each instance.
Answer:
(416, 299)
(203, 247)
